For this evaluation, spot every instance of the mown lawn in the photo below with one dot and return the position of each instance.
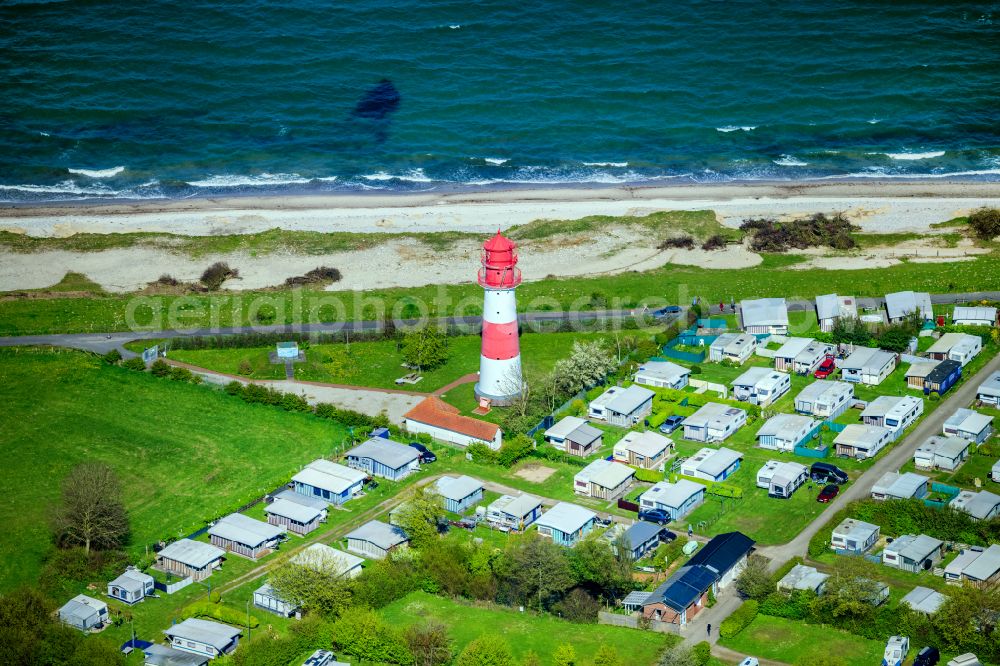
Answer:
(379, 363)
(669, 284)
(184, 453)
(526, 632)
(794, 642)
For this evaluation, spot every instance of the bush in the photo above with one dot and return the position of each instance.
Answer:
(739, 619)
(769, 235)
(481, 453)
(216, 274)
(695, 369)
(167, 280)
(515, 449)
(135, 363)
(317, 276)
(716, 242)
(245, 368)
(181, 374)
(648, 475)
(219, 612)
(701, 653)
(656, 420)
(215, 597)
(683, 242)
(934, 397)
(113, 357)
(578, 606)
(985, 223)
(160, 368)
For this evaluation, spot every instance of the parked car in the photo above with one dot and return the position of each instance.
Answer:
(426, 456)
(666, 536)
(823, 472)
(828, 493)
(371, 483)
(668, 310)
(750, 661)
(658, 516)
(928, 656)
(672, 423)
(826, 368)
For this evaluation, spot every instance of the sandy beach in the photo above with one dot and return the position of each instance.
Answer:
(882, 207)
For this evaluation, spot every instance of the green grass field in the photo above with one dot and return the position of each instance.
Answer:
(184, 453)
(794, 642)
(379, 363)
(526, 632)
(670, 284)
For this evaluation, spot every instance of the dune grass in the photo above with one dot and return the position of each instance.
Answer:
(184, 453)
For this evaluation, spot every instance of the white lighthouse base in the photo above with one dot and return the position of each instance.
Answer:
(499, 380)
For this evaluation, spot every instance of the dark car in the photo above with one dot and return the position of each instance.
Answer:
(658, 516)
(826, 368)
(927, 656)
(672, 423)
(666, 536)
(668, 310)
(822, 472)
(426, 456)
(371, 483)
(828, 493)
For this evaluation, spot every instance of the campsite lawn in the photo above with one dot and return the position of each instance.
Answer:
(184, 453)
(527, 631)
(795, 642)
(379, 363)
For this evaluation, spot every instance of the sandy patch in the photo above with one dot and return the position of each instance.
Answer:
(921, 251)
(535, 473)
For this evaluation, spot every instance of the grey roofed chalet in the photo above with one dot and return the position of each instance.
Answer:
(391, 454)
(984, 566)
(720, 461)
(300, 513)
(915, 547)
(855, 530)
(764, 312)
(714, 415)
(161, 655)
(566, 517)
(216, 634)
(457, 488)
(298, 498)
(787, 424)
(673, 495)
(81, 607)
(640, 532)
(381, 534)
(195, 554)
(902, 303)
(827, 306)
(565, 427)
(319, 479)
(244, 529)
(628, 400)
(663, 370)
(132, 580)
(923, 599)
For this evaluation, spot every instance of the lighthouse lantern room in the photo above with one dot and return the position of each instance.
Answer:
(500, 361)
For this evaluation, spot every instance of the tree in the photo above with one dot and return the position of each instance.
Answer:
(852, 331)
(92, 513)
(421, 516)
(313, 580)
(588, 364)
(446, 562)
(565, 655)
(362, 633)
(539, 572)
(969, 619)
(425, 348)
(513, 383)
(515, 449)
(429, 643)
(606, 569)
(678, 655)
(607, 656)
(755, 580)
(578, 606)
(985, 223)
(487, 650)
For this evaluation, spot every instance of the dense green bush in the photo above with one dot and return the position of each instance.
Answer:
(695, 369)
(514, 449)
(648, 475)
(701, 653)
(219, 612)
(159, 368)
(985, 223)
(739, 619)
(481, 453)
(113, 357)
(912, 516)
(769, 235)
(134, 363)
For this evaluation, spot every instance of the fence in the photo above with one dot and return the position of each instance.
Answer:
(853, 553)
(691, 357)
(170, 588)
(633, 622)
(627, 506)
(950, 492)
(721, 389)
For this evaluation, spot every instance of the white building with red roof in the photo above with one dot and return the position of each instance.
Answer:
(444, 422)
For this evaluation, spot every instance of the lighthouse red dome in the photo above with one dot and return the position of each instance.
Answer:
(499, 263)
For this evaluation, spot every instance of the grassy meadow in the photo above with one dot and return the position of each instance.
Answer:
(794, 642)
(184, 453)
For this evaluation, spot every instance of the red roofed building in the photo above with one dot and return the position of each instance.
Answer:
(443, 421)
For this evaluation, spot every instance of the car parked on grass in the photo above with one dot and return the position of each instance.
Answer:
(672, 423)
(828, 493)
(826, 368)
(823, 472)
(928, 656)
(666, 536)
(658, 516)
(426, 456)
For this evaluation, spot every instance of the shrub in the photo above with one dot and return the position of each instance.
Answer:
(684, 242)
(317, 276)
(701, 653)
(216, 274)
(648, 475)
(481, 453)
(160, 368)
(514, 449)
(739, 619)
(245, 368)
(579, 407)
(219, 612)
(934, 397)
(135, 363)
(578, 606)
(985, 223)
(769, 235)
(215, 597)
(656, 420)
(167, 280)
(181, 374)
(695, 369)
(113, 357)
(716, 242)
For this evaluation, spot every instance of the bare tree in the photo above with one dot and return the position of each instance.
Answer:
(92, 513)
(516, 386)
(429, 643)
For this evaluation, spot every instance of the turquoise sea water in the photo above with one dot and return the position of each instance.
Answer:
(201, 98)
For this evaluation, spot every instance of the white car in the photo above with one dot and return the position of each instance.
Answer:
(750, 661)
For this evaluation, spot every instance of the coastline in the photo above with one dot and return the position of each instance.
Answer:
(878, 206)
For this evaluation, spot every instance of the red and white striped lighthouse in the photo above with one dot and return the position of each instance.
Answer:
(500, 360)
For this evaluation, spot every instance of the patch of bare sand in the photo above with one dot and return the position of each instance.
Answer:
(924, 250)
(535, 473)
